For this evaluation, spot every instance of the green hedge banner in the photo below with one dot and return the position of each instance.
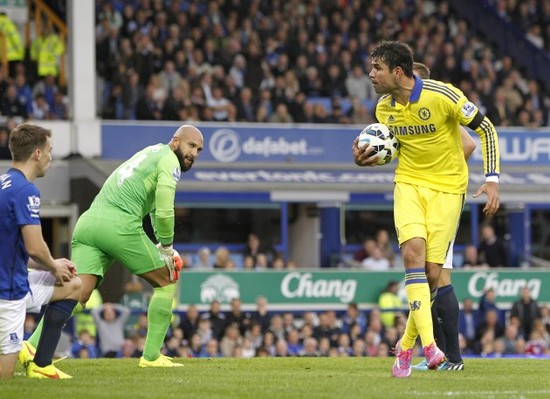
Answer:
(317, 289)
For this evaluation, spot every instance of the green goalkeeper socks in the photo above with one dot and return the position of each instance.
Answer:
(35, 337)
(159, 316)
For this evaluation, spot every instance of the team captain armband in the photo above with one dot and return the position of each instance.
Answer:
(474, 123)
(491, 178)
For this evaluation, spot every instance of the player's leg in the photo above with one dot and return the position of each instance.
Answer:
(448, 311)
(91, 263)
(142, 258)
(12, 319)
(442, 224)
(437, 328)
(409, 214)
(61, 301)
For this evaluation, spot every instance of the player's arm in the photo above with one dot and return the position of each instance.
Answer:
(468, 143)
(163, 217)
(62, 269)
(487, 133)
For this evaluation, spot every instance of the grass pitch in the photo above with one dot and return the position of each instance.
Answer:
(275, 378)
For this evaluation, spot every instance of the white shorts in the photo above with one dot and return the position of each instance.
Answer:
(12, 313)
(449, 261)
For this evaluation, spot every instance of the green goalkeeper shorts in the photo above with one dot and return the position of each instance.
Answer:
(104, 236)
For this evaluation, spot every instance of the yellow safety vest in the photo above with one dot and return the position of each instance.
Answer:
(45, 51)
(14, 45)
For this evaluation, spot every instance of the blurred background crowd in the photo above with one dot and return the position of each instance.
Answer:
(118, 330)
(278, 61)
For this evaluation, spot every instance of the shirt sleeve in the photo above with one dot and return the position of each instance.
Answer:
(163, 217)
(26, 205)
(469, 115)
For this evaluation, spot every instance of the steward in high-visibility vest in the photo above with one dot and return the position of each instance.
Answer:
(14, 45)
(45, 50)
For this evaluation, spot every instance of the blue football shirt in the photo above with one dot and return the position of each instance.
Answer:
(19, 206)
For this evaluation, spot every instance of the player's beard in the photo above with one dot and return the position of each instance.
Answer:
(181, 159)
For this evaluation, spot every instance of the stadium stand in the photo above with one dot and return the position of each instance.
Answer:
(166, 61)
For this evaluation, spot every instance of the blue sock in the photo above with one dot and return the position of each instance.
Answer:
(56, 315)
(448, 312)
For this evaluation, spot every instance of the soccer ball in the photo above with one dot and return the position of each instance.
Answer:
(382, 140)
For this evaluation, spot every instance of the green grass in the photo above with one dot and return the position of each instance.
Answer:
(276, 378)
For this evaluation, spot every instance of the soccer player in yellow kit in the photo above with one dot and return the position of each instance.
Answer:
(430, 180)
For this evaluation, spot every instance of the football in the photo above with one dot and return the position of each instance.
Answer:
(382, 140)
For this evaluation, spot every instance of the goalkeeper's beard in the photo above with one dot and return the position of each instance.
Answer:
(181, 159)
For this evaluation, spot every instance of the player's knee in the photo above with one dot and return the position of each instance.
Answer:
(75, 287)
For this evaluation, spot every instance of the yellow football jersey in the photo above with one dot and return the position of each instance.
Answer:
(427, 128)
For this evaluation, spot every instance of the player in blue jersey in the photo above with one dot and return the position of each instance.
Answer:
(21, 237)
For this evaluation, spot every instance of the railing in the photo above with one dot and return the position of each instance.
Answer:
(42, 13)
(511, 40)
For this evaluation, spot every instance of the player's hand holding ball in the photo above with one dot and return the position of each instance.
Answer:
(375, 145)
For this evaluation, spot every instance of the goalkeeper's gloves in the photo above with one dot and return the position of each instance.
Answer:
(172, 259)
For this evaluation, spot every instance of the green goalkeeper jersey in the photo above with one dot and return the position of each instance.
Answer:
(145, 184)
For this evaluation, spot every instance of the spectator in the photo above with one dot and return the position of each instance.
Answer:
(491, 250)
(15, 51)
(217, 319)
(488, 330)
(353, 317)
(471, 258)
(85, 343)
(203, 259)
(246, 109)
(390, 304)
(10, 104)
(221, 258)
(527, 310)
(212, 350)
(237, 316)
(487, 302)
(40, 109)
(376, 260)
(261, 316)
(468, 323)
(46, 49)
(136, 300)
(110, 319)
(231, 339)
(281, 115)
(365, 251)
(359, 85)
(385, 245)
(190, 323)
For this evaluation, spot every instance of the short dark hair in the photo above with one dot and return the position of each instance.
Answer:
(395, 54)
(421, 70)
(26, 138)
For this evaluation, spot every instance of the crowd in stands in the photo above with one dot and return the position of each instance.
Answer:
(296, 61)
(485, 329)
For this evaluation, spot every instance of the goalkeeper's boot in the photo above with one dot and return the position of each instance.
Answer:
(450, 366)
(422, 366)
(434, 356)
(50, 371)
(161, 361)
(26, 354)
(402, 365)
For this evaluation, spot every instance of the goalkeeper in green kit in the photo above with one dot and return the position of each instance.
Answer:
(111, 230)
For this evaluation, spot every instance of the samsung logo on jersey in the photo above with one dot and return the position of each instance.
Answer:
(410, 130)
